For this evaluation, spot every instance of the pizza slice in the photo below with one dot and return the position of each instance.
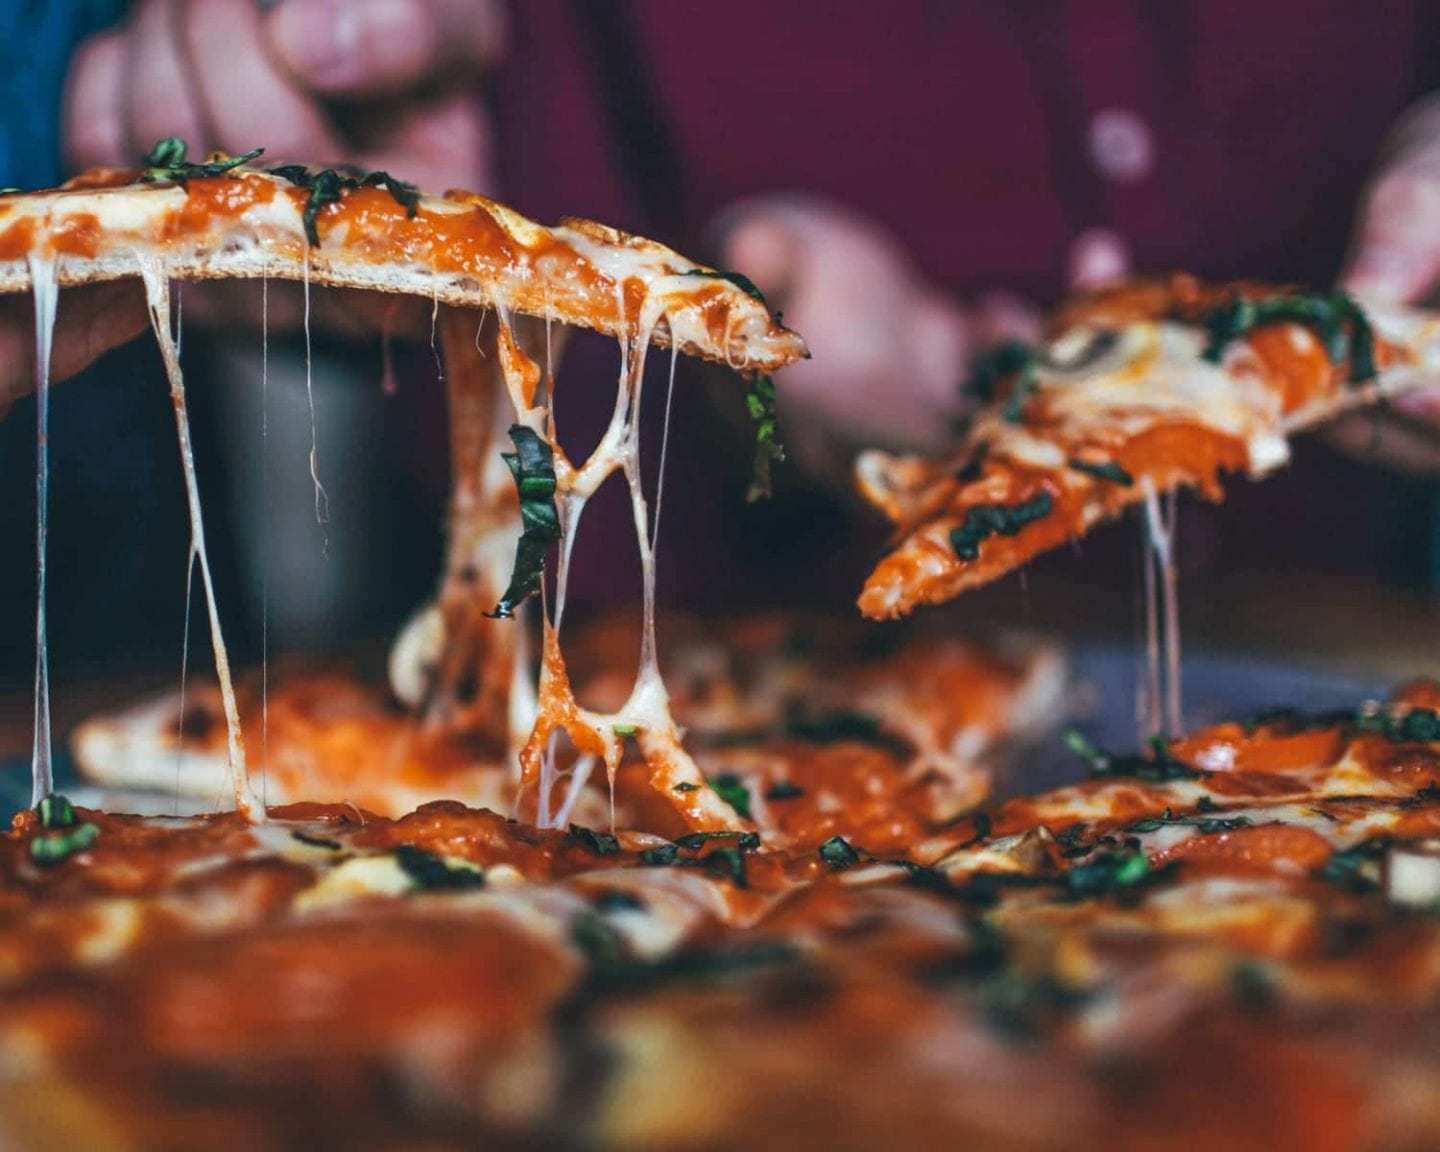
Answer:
(787, 719)
(1137, 391)
(472, 258)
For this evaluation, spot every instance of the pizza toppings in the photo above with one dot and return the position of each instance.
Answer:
(533, 466)
(166, 163)
(760, 402)
(1114, 927)
(986, 520)
(1139, 390)
(175, 218)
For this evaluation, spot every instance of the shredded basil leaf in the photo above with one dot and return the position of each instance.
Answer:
(329, 184)
(747, 841)
(986, 520)
(166, 163)
(1357, 869)
(55, 811)
(61, 844)
(734, 792)
(661, 856)
(1338, 321)
(744, 283)
(784, 790)
(686, 786)
(432, 873)
(625, 729)
(1155, 768)
(1205, 824)
(1106, 470)
(600, 843)
(533, 466)
(838, 853)
(318, 841)
(760, 403)
(1107, 873)
(996, 365)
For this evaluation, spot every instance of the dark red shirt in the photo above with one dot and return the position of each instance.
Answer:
(1226, 137)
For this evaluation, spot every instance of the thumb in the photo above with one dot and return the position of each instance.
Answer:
(765, 249)
(1395, 254)
(366, 48)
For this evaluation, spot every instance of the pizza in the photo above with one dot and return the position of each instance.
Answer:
(467, 667)
(751, 888)
(949, 708)
(1232, 939)
(1138, 390)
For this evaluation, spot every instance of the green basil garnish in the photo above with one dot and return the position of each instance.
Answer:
(1339, 322)
(533, 466)
(61, 844)
(988, 520)
(328, 185)
(166, 163)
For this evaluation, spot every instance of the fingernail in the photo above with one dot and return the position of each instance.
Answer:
(1387, 273)
(320, 39)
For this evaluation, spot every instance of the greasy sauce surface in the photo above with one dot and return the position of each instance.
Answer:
(1217, 943)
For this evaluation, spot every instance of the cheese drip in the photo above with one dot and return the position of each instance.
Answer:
(1158, 701)
(645, 715)
(157, 294)
(47, 292)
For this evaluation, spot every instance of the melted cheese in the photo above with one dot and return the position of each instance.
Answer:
(46, 292)
(157, 292)
(597, 736)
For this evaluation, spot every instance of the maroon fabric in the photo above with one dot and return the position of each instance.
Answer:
(964, 127)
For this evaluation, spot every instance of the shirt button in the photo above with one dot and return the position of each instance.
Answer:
(1121, 146)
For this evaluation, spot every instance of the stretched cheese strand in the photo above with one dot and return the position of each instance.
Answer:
(157, 293)
(646, 713)
(47, 292)
(1162, 627)
(184, 675)
(265, 554)
(322, 498)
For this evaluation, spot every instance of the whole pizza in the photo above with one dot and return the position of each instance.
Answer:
(767, 883)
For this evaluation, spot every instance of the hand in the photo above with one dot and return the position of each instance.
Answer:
(303, 78)
(381, 84)
(89, 322)
(1395, 256)
(890, 351)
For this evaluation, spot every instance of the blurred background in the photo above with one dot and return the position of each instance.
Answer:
(907, 181)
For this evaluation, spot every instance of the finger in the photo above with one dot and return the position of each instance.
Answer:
(1396, 251)
(766, 251)
(354, 48)
(941, 336)
(92, 320)
(89, 322)
(247, 99)
(1097, 257)
(94, 130)
(158, 98)
(439, 143)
